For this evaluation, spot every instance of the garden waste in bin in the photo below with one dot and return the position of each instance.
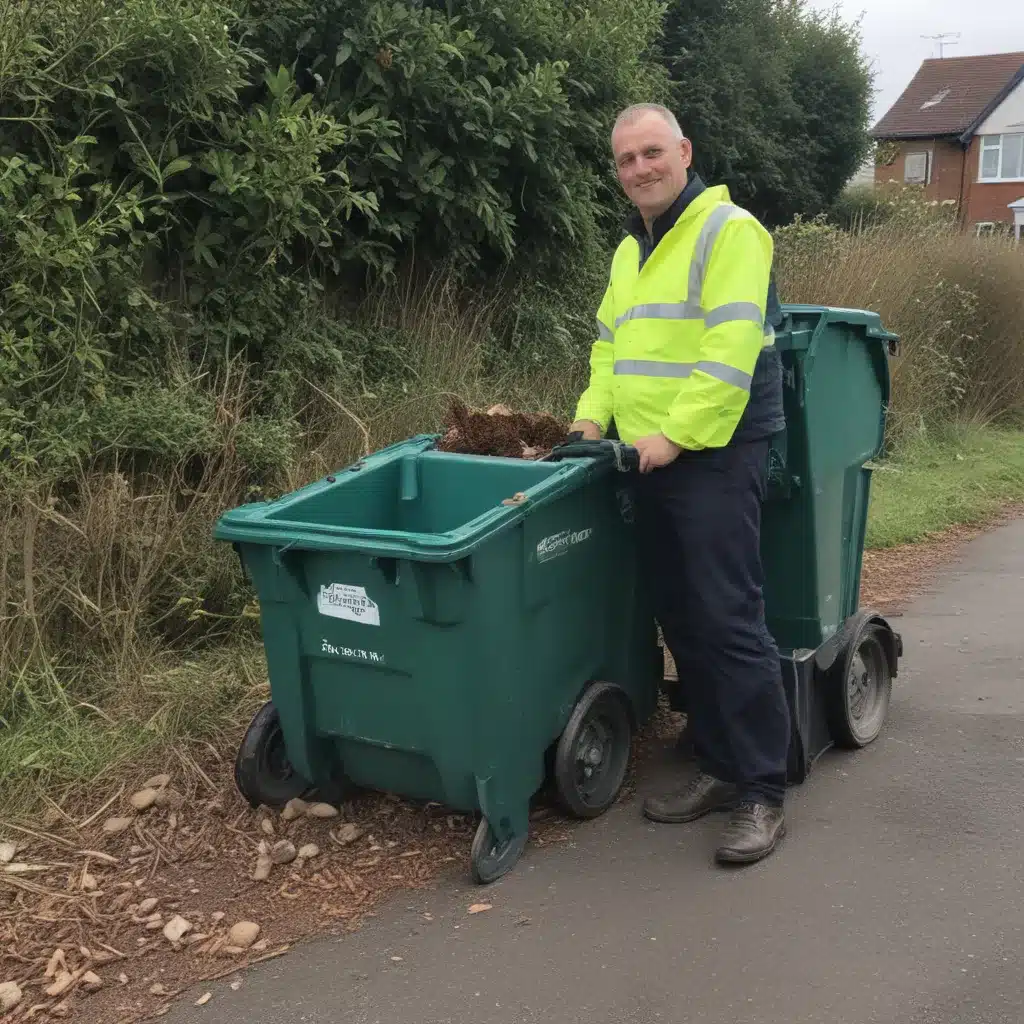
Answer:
(838, 659)
(451, 627)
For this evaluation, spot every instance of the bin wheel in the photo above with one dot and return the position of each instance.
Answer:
(489, 858)
(593, 752)
(263, 773)
(859, 689)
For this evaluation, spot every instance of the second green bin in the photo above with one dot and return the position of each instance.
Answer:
(450, 627)
(838, 658)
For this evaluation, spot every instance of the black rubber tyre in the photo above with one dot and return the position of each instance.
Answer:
(859, 688)
(489, 860)
(593, 752)
(263, 773)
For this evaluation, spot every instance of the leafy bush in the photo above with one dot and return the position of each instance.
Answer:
(500, 115)
(190, 176)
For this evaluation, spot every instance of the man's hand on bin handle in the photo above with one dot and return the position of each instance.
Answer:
(656, 452)
(584, 430)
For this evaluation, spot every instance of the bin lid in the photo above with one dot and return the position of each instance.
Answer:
(866, 318)
(282, 525)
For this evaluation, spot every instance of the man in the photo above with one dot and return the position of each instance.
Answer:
(686, 367)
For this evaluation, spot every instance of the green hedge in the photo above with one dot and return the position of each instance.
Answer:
(181, 181)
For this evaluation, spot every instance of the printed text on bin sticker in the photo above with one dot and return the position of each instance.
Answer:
(341, 601)
(560, 543)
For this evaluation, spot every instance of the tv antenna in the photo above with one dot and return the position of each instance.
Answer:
(944, 39)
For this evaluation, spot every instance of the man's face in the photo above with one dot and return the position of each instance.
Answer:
(651, 164)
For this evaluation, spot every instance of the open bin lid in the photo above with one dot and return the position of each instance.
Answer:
(799, 321)
(282, 525)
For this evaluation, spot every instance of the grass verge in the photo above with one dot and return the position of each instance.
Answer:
(961, 476)
(67, 754)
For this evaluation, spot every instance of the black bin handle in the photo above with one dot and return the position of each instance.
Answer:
(624, 457)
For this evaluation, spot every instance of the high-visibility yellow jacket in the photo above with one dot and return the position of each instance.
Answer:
(679, 337)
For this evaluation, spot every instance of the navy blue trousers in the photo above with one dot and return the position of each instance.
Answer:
(699, 525)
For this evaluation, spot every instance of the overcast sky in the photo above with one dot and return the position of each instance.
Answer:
(892, 31)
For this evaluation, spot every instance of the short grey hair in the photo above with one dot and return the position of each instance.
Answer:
(638, 110)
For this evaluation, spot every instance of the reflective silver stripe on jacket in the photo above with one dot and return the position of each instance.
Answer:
(731, 312)
(653, 368)
(717, 219)
(662, 311)
(691, 309)
(604, 332)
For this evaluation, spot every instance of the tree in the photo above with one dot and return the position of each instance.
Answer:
(834, 85)
(775, 97)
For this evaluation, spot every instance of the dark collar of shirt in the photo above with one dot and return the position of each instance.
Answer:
(664, 222)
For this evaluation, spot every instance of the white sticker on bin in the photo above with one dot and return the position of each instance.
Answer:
(351, 652)
(560, 543)
(343, 601)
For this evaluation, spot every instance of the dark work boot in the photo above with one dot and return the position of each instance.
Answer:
(700, 796)
(752, 833)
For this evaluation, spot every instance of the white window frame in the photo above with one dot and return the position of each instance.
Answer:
(989, 143)
(927, 154)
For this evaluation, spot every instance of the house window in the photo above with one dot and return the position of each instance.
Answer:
(1002, 158)
(916, 167)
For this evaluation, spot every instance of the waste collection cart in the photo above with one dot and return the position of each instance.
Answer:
(458, 628)
(839, 660)
(453, 628)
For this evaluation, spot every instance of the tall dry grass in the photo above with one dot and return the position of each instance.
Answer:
(124, 627)
(447, 337)
(956, 301)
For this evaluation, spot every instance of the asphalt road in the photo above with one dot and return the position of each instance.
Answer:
(896, 898)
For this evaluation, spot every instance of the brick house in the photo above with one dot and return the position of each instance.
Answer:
(958, 131)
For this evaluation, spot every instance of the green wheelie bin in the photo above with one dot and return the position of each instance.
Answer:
(838, 659)
(453, 628)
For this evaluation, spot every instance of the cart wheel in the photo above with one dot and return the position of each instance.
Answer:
(593, 752)
(263, 773)
(489, 859)
(859, 689)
